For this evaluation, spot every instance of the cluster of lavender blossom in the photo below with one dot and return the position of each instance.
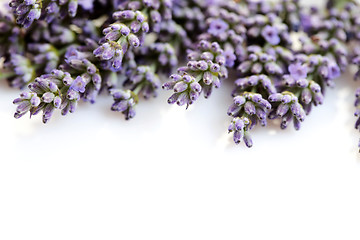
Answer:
(279, 55)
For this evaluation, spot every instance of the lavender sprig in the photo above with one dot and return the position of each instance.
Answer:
(204, 70)
(247, 110)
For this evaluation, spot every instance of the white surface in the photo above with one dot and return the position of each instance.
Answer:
(175, 174)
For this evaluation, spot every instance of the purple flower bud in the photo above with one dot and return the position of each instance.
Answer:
(282, 110)
(47, 113)
(208, 78)
(314, 87)
(73, 6)
(244, 66)
(35, 101)
(193, 95)
(306, 96)
(249, 108)
(286, 99)
(180, 87)
(324, 72)
(155, 16)
(133, 40)
(334, 71)
(247, 139)
(195, 86)
(264, 104)
(135, 26)
(303, 83)
(318, 98)
(57, 102)
(202, 65)
(125, 15)
(188, 78)
(276, 97)
(48, 97)
(214, 67)
(239, 100)
(260, 113)
(357, 93)
(107, 52)
(253, 80)
(140, 16)
(297, 124)
(238, 135)
(257, 68)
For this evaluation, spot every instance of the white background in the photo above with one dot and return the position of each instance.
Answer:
(175, 174)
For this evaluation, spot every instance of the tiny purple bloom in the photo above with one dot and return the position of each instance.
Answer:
(230, 58)
(334, 71)
(271, 35)
(218, 27)
(298, 71)
(78, 85)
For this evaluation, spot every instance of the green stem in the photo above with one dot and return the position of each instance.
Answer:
(138, 88)
(153, 67)
(6, 75)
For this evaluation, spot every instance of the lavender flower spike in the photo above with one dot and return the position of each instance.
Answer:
(204, 70)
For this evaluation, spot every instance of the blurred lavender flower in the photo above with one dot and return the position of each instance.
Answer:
(271, 35)
(298, 71)
(26, 11)
(143, 80)
(23, 69)
(217, 27)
